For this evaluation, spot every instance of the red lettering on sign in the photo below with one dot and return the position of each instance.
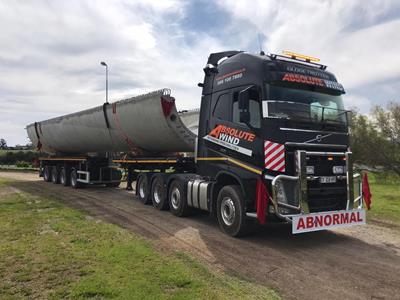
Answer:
(319, 221)
(336, 219)
(310, 222)
(300, 224)
(344, 218)
(353, 217)
(359, 219)
(327, 220)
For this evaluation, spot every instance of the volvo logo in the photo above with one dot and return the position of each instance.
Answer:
(318, 138)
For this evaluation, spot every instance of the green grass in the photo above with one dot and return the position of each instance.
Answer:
(385, 198)
(48, 251)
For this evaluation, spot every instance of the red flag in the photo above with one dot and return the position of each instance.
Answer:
(366, 192)
(261, 200)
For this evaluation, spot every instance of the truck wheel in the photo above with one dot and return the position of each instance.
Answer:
(55, 176)
(46, 174)
(177, 199)
(230, 211)
(159, 193)
(64, 177)
(75, 184)
(142, 189)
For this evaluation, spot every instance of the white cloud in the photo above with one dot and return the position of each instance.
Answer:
(50, 55)
(50, 50)
(357, 39)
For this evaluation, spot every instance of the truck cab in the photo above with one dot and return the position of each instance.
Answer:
(273, 129)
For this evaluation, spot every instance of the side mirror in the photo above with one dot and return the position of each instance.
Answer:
(244, 103)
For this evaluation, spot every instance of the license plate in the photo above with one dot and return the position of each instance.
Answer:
(327, 220)
(327, 179)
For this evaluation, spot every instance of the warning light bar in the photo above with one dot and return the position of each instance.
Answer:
(300, 56)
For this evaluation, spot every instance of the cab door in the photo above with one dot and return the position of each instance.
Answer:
(228, 134)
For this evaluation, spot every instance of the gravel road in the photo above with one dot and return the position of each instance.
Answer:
(361, 262)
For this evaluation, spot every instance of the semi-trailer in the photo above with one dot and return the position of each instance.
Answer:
(270, 142)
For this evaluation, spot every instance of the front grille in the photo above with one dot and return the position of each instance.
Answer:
(327, 197)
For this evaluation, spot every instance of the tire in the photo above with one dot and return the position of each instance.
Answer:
(46, 173)
(177, 199)
(231, 212)
(143, 189)
(55, 175)
(159, 193)
(65, 178)
(75, 184)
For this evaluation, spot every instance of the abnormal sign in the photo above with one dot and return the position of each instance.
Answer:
(327, 220)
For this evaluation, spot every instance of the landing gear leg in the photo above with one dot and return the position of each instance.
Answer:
(129, 180)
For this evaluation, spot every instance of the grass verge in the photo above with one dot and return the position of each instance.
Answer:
(49, 251)
(385, 200)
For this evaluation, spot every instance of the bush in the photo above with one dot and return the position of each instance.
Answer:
(12, 157)
(23, 164)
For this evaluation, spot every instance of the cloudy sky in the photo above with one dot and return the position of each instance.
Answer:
(51, 50)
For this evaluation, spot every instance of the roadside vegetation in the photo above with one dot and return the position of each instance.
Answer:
(385, 189)
(48, 250)
(18, 159)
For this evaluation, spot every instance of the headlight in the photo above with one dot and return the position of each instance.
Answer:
(310, 170)
(338, 169)
(280, 192)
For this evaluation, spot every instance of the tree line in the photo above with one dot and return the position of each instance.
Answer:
(375, 139)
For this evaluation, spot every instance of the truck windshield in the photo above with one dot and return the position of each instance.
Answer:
(304, 105)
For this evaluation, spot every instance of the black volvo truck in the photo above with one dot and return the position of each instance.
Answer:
(273, 144)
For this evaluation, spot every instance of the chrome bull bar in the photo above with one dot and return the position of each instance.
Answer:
(296, 195)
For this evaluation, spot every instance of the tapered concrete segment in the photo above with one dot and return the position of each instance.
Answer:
(148, 123)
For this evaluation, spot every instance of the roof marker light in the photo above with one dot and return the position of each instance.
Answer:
(301, 56)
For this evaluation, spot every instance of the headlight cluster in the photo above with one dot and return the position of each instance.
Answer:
(280, 192)
(310, 170)
(339, 169)
(335, 169)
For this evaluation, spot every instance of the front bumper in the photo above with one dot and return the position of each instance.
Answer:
(295, 189)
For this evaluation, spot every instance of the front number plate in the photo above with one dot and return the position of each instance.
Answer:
(327, 220)
(327, 179)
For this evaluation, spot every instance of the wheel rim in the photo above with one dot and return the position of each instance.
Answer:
(142, 189)
(157, 194)
(175, 198)
(73, 179)
(62, 177)
(46, 174)
(228, 211)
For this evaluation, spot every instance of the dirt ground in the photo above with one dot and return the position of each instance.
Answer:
(361, 262)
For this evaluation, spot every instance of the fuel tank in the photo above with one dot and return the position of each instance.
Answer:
(144, 124)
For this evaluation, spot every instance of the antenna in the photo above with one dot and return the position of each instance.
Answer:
(259, 44)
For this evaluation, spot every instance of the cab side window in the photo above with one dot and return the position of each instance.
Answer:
(221, 108)
(254, 108)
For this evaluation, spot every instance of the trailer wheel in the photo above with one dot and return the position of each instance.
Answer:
(64, 177)
(159, 193)
(46, 174)
(75, 184)
(230, 211)
(177, 199)
(55, 176)
(143, 189)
